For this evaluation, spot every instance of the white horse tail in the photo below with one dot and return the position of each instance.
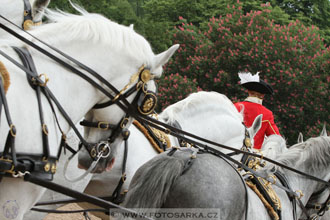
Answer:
(152, 181)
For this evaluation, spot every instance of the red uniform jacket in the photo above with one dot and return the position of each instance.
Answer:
(251, 111)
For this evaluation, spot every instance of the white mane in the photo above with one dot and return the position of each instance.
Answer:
(95, 29)
(314, 154)
(199, 102)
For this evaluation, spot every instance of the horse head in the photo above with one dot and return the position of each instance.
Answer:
(107, 126)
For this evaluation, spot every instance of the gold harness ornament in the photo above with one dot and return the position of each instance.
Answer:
(29, 23)
(270, 192)
(4, 74)
(263, 187)
(159, 134)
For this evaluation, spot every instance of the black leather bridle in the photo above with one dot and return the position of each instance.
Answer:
(127, 107)
(143, 99)
(27, 18)
(320, 208)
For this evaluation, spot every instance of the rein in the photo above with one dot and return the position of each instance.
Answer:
(121, 101)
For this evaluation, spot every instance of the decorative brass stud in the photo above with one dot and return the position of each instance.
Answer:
(43, 75)
(146, 75)
(27, 24)
(247, 142)
(54, 168)
(300, 194)
(47, 167)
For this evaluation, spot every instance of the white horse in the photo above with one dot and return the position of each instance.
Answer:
(114, 51)
(209, 115)
(273, 147)
(162, 181)
(22, 13)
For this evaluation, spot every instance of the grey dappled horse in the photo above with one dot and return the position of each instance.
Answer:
(211, 182)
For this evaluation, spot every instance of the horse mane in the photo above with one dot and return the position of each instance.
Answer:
(314, 154)
(93, 28)
(199, 102)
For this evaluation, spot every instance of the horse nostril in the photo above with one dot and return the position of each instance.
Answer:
(80, 166)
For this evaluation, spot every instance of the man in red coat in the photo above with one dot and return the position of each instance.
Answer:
(252, 106)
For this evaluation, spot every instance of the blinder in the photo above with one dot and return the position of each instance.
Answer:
(147, 102)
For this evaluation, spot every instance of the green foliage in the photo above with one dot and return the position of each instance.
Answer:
(221, 37)
(288, 56)
(182, 86)
(112, 9)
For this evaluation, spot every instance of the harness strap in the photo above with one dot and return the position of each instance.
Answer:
(80, 196)
(117, 197)
(6, 163)
(52, 97)
(28, 62)
(100, 124)
(286, 184)
(128, 107)
(27, 18)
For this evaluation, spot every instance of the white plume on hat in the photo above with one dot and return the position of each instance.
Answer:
(248, 77)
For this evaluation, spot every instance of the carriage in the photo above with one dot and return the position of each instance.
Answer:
(54, 83)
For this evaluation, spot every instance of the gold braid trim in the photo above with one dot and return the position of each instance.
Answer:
(161, 135)
(269, 208)
(5, 76)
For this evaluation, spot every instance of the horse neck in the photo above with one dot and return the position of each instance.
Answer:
(12, 10)
(214, 126)
(298, 182)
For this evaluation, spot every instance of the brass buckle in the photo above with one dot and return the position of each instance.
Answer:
(44, 129)
(317, 206)
(123, 122)
(123, 177)
(11, 171)
(12, 132)
(103, 123)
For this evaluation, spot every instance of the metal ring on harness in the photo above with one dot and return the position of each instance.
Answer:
(103, 149)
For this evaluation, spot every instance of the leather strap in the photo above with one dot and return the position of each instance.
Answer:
(28, 62)
(132, 112)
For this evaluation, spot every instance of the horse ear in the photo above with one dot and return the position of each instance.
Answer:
(255, 126)
(131, 26)
(38, 9)
(163, 57)
(324, 131)
(300, 138)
